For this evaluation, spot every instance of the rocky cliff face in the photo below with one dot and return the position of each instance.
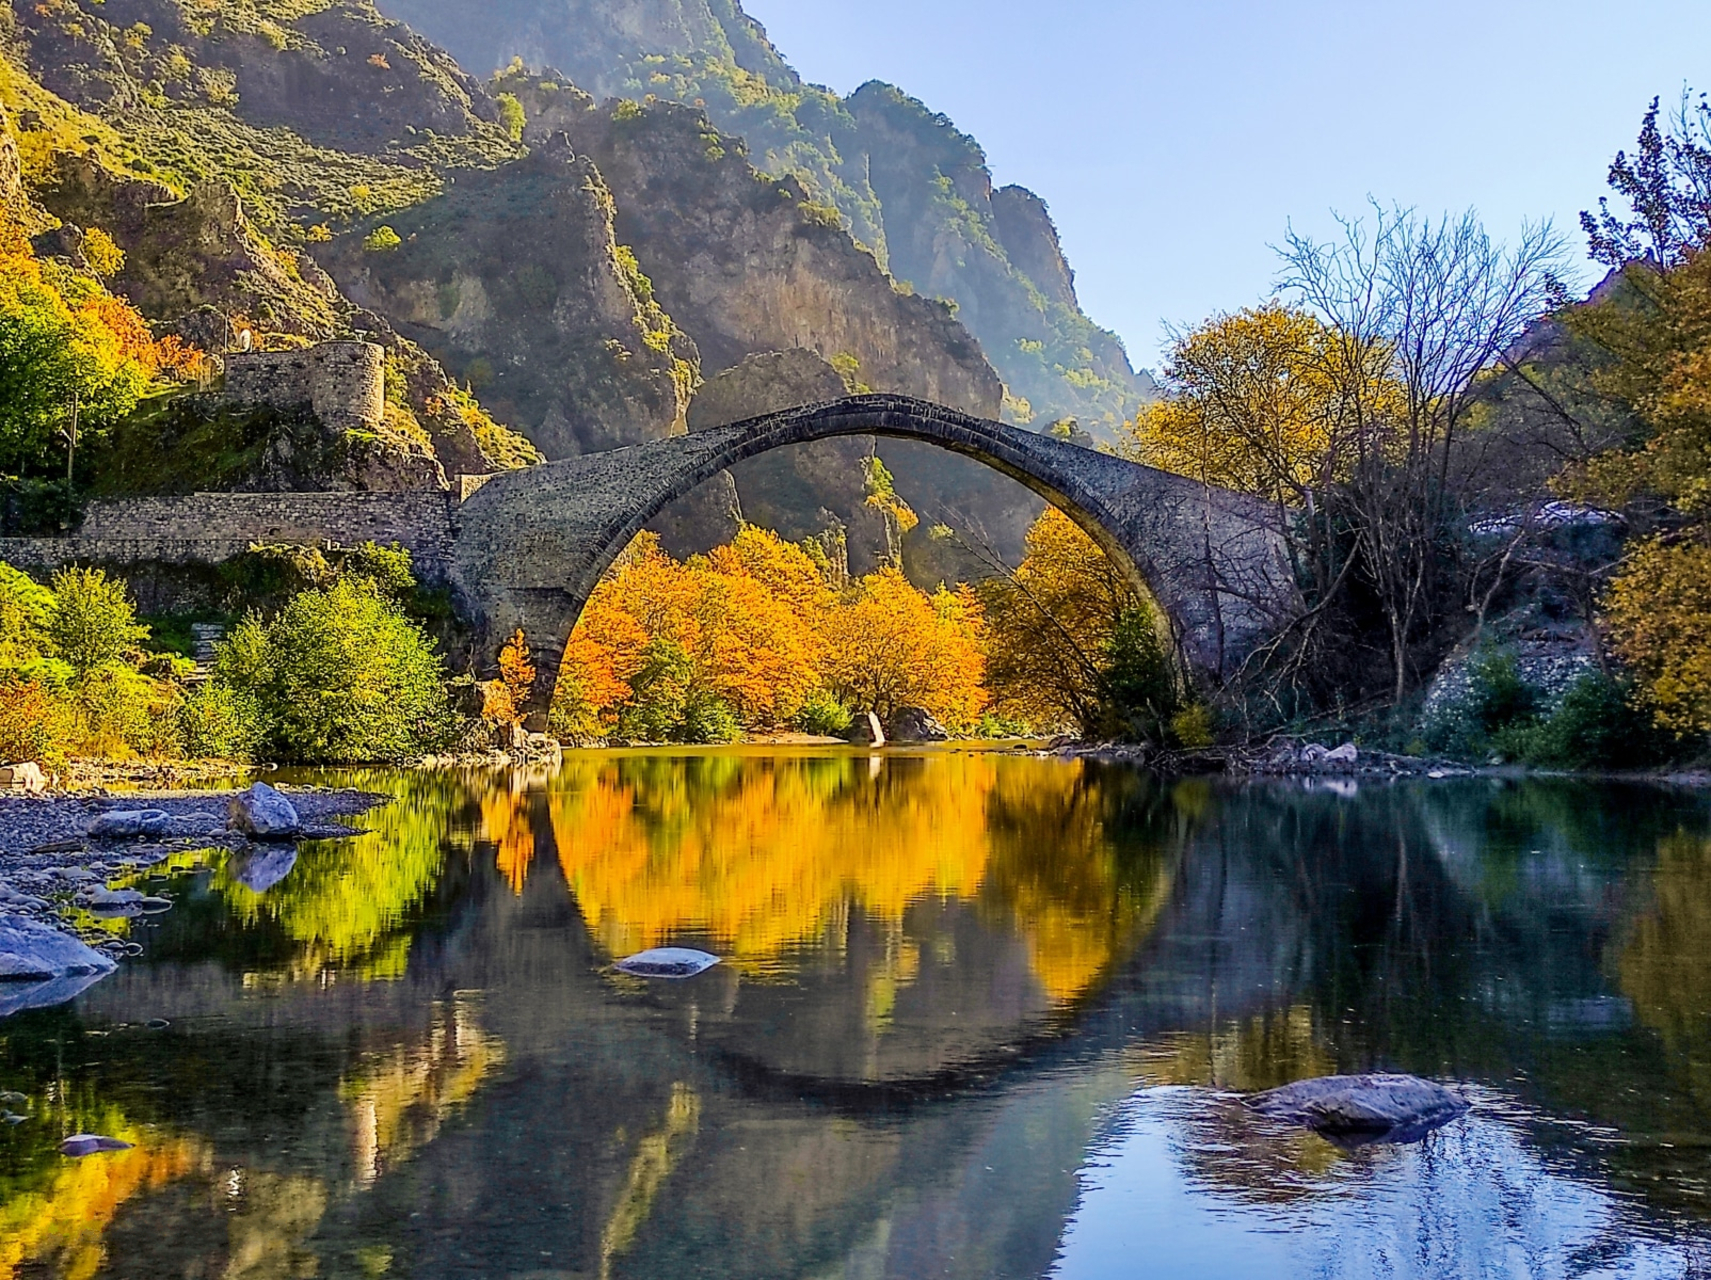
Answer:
(747, 263)
(998, 255)
(513, 280)
(907, 184)
(195, 260)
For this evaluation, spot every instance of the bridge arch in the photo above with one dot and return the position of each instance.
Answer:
(529, 546)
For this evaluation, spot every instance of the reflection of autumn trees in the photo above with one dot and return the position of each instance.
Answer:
(346, 901)
(1662, 962)
(55, 1222)
(766, 854)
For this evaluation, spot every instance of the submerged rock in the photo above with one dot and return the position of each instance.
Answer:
(127, 824)
(265, 814)
(916, 724)
(667, 962)
(1359, 1109)
(87, 1144)
(41, 967)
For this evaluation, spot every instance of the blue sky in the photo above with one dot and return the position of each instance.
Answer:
(1174, 142)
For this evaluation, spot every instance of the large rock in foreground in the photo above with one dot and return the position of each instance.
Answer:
(1354, 1110)
(40, 966)
(265, 814)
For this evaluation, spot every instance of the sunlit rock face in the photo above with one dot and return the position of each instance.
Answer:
(514, 279)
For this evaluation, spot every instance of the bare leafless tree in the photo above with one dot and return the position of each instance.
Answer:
(1419, 309)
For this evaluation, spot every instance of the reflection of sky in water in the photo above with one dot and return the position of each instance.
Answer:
(1474, 1201)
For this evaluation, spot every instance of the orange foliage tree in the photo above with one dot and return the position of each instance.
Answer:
(746, 636)
(893, 646)
(64, 341)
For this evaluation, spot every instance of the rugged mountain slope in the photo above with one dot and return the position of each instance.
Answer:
(196, 260)
(513, 279)
(906, 182)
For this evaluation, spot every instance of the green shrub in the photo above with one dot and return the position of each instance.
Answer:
(1498, 704)
(1600, 724)
(216, 721)
(26, 607)
(381, 240)
(823, 714)
(511, 116)
(125, 713)
(1139, 686)
(340, 675)
(666, 706)
(93, 623)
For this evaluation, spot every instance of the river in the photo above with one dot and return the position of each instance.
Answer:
(978, 1015)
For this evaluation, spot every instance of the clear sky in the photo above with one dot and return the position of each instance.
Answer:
(1175, 141)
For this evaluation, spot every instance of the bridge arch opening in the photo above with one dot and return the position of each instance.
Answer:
(531, 546)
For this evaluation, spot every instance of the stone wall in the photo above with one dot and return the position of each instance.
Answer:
(207, 528)
(344, 382)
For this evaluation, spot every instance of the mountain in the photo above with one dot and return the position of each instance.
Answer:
(905, 182)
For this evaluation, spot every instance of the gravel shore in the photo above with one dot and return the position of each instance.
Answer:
(51, 870)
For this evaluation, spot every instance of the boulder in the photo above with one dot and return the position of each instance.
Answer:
(40, 966)
(667, 962)
(128, 824)
(265, 814)
(1355, 1110)
(1348, 753)
(23, 777)
(865, 730)
(916, 724)
(192, 825)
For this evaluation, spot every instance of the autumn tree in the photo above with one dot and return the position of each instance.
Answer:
(1653, 326)
(64, 341)
(1060, 630)
(893, 646)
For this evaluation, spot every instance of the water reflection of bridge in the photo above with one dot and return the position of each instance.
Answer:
(768, 1122)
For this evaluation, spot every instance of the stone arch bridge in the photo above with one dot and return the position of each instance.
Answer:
(528, 547)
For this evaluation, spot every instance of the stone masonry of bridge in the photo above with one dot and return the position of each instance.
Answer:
(531, 545)
(525, 548)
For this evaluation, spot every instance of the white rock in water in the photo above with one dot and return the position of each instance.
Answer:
(124, 824)
(667, 962)
(1348, 753)
(264, 813)
(87, 1144)
(865, 730)
(1314, 752)
(41, 967)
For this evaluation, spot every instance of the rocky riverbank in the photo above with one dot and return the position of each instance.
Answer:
(65, 861)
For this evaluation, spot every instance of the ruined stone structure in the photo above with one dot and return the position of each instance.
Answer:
(531, 545)
(343, 382)
(525, 548)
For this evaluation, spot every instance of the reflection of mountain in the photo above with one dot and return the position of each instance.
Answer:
(822, 1110)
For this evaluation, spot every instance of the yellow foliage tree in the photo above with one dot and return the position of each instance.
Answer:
(1050, 627)
(893, 646)
(1659, 621)
(1256, 409)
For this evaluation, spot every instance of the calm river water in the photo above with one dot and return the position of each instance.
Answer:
(979, 1016)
